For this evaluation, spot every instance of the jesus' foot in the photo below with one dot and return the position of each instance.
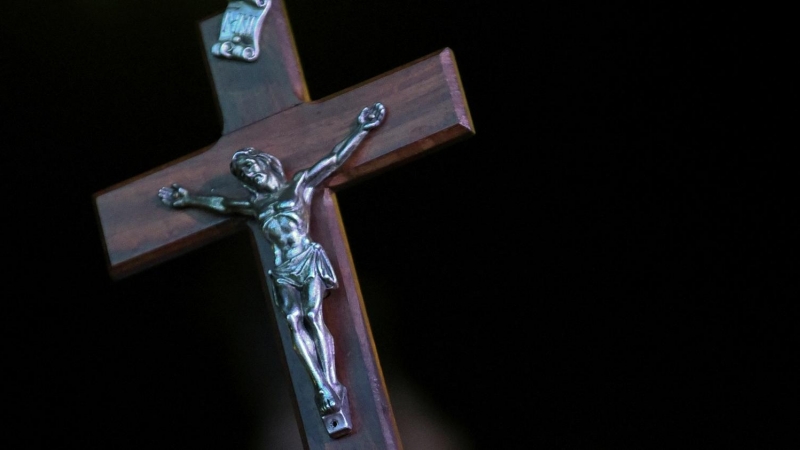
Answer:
(327, 401)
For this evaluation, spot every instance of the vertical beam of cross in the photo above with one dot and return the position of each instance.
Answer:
(265, 104)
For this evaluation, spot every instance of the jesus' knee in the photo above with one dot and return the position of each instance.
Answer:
(294, 319)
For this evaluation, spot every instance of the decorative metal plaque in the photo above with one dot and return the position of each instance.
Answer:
(240, 30)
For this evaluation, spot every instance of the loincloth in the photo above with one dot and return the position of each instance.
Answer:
(311, 262)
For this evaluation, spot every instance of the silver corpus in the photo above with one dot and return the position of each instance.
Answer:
(240, 30)
(301, 272)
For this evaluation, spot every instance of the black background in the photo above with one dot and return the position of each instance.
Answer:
(601, 266)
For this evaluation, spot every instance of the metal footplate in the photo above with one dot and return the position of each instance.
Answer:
(338, 424)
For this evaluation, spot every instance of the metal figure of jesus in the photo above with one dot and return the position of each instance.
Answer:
(302, 272)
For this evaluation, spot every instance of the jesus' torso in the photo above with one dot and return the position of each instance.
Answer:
(284, 217)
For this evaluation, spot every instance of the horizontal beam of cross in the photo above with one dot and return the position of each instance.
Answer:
(426, 110)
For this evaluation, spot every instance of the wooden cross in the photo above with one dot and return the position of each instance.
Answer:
(265, 104)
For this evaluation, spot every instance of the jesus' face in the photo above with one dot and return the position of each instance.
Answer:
(255, 174)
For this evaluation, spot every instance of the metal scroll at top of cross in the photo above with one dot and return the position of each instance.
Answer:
(240, 30)
(426, 110)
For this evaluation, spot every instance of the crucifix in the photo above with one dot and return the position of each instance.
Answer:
(265, 109)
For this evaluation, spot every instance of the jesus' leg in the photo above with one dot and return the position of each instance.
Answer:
(323, 339)
(305, 346)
